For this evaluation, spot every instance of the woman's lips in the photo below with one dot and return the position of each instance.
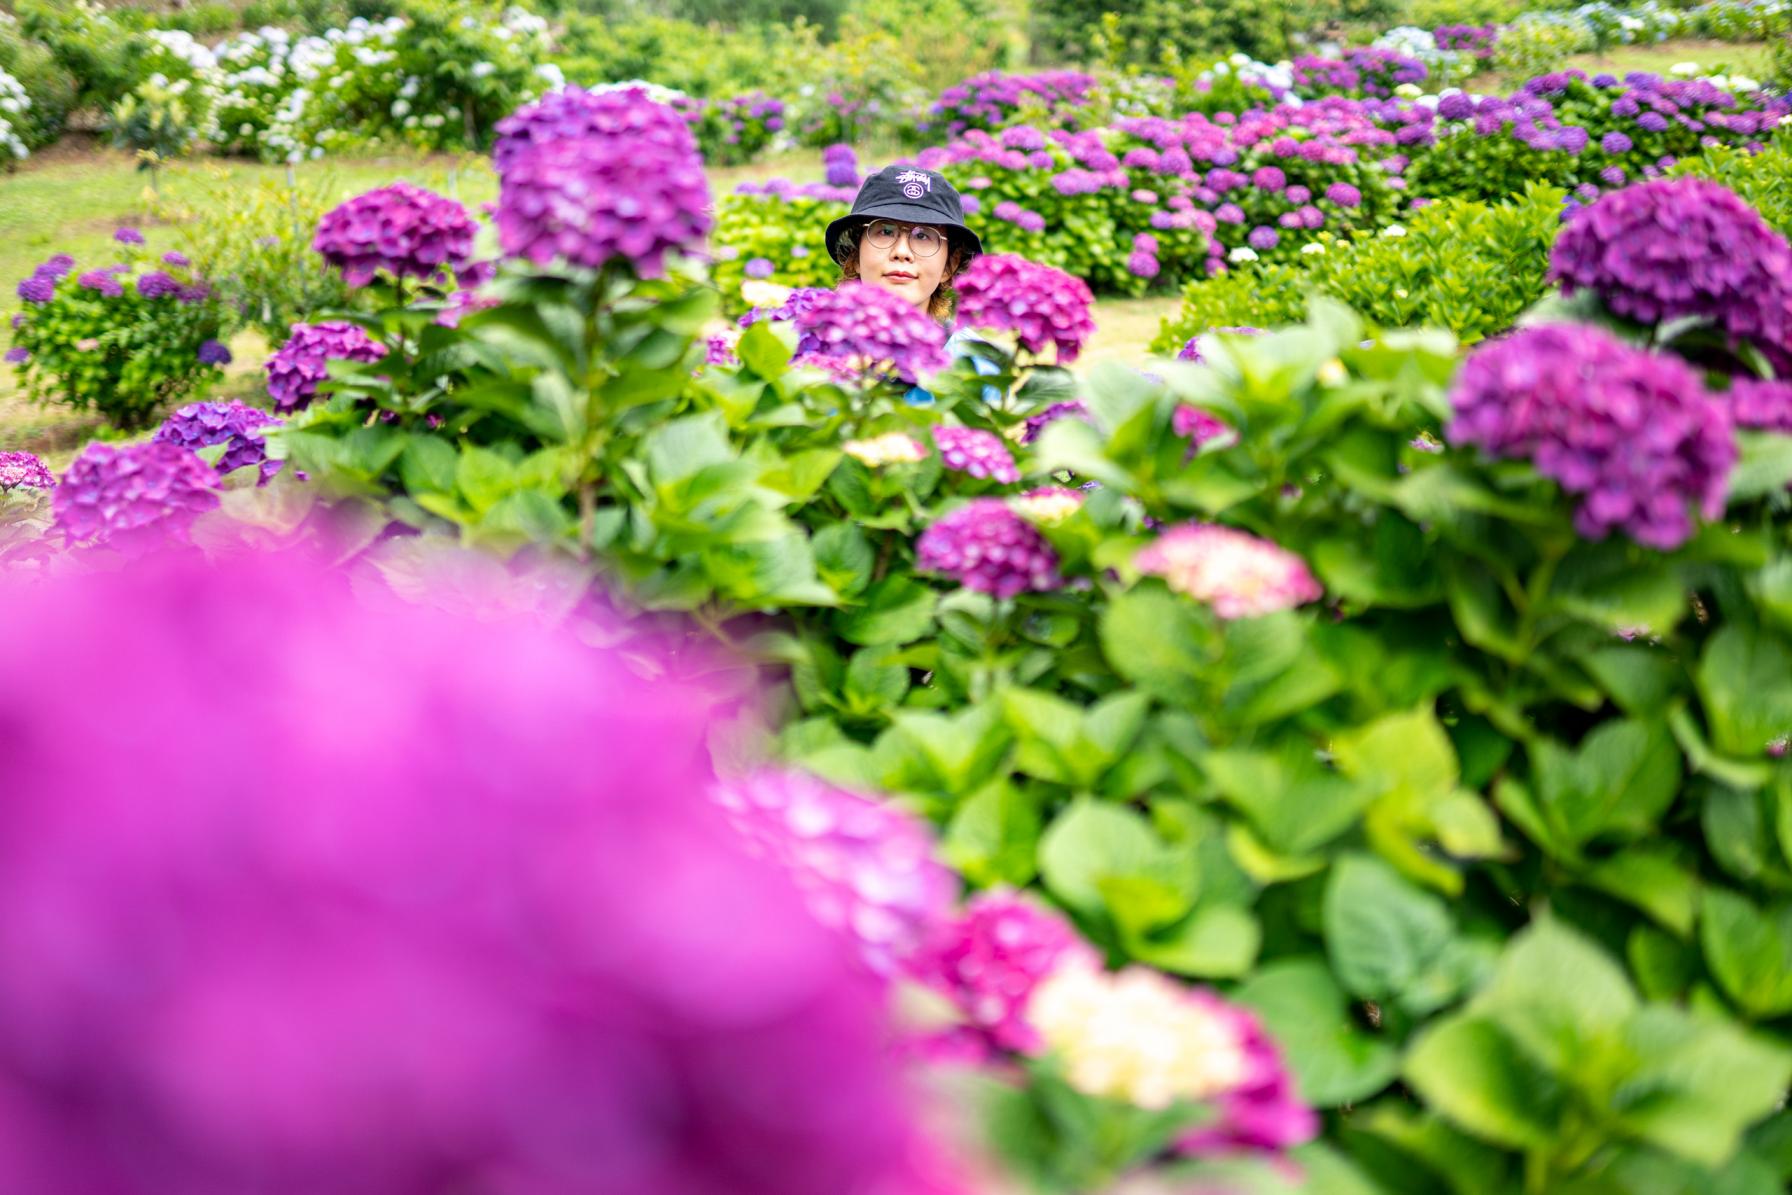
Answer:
(898, 276)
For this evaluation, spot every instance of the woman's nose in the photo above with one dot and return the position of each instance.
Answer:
(902, 248)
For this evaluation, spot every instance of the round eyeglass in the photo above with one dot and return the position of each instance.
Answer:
(924, 240)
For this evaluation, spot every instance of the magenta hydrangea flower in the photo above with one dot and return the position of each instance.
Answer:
(984, 545)
(1197, 425)
(1658, 250)
(988, 960)
(869, 330)
(1756, 403)
(607, 194)
(864, 866)
(104, 281)
(409, 934)
(296, 369)
(157, 284)
(719, 350)
(979, 453)
(841, 165)
(1036, 424)
(1234, 572)
(24, 470)
(619, 115)
(402, 231)
(1042, 305)
(1344, 195)
(1263, 1113)
(1633, 435)
(133, 496)
(202, 424)
(38, 288)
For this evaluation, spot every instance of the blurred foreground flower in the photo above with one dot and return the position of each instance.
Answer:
(1040, 304)
(392, 921)
(133, 496)
(1236, 573)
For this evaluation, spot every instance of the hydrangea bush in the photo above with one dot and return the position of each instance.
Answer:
(126, 339)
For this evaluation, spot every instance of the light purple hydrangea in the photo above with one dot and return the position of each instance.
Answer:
(864, 866)
(841, 165)
(1632, 435)
(1234, 572)
(605, 194)
(133, 496)
(870, 331)
(158, 284)
(759, 267)
(988, 960)
(1659, 250)
(24, 470)
(719, 350)
(986, 546)
(1042, 305)
(202, 424)
(1760, 404)
(402, 231)
(17, 355)
(622, 115)
(978, 453)
(296, 369)
(38, 288)
(1344, 195)
(393, 922)
(176, 259)
(128, 236)
(1036, 424)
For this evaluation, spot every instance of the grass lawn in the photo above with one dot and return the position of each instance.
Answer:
(72, 198)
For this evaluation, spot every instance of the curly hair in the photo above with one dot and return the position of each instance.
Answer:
(944, 300)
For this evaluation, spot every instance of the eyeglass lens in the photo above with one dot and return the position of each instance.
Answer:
(923, 240)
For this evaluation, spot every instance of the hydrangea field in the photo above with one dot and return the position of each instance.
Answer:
(600, 703)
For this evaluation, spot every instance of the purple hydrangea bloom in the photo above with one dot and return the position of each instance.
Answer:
(1344, 195)
(128, 236)
(864, 866)
(1264, 238)
(17, 355)
(1456, 106)
(979, 453)
(1142, 264)
(104, 281)
(1197, 425)
(605, 195)
(1269, 178)
(157, 285)
(133, 496)
(760, 267)
(1191, 348)
(39, 288)
(989, 959)
(1766, 405)
(1615, 143)
(57, 266)
(1655, 122)
(202, 424)
(405, 935)
(24, 470)
(1040, 304)
(1037, 424)
(296, 369)
(401, 230)
(797, 302)
(176, 259)
(573, 114)
(871, 330)
(986, 546)
(841, 165)
(719, 350)
(1633, 435)
(1659, 250)
(213, 352)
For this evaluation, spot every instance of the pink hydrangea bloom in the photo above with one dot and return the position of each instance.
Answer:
(978, 453)
(1236, 573)
(988, 547)
(24, 470)
(133, 496)
(1264, 1112)
(869, 330)
(402, 230)
(864, 866)
(300, 364)
(395, 922)
(1042, 305)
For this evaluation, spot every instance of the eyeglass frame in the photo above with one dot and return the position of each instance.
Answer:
(904, 229)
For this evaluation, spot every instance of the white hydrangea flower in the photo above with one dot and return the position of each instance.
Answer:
(1241, 254)
(1393, 230)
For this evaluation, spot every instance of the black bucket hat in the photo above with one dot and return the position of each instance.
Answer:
(906, 193)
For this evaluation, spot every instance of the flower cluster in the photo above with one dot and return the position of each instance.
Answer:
(302, 362)
(989, 960)
(733, 130)
(1191, 348)
(133, 496)
(1364, 70)
(993, 99)
(1048, 505)
(202, 424)
(1763, 405)
(1234, 572)
(978, 453)
(1042, 305)
(986, 546)
(23, 470)
(412, 931)
(1036, 424)
(868, 330)
(864, 866)
(1477, 41)
(621, 186)
(841, 165)
(402, 230)
(1660, 250)
(1135, 1035)
(891, 448)
(40, 286)
(1634, 435)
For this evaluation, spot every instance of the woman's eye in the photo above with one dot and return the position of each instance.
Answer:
(923, 236)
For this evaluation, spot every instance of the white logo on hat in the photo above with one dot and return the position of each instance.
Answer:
(915, 183)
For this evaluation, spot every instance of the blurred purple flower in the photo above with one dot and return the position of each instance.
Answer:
(978, 453)
(128, 236)
(24, 470)
(1036, 424)
(301, 363)
(133, 496)
(1040, 304)
(985, 546)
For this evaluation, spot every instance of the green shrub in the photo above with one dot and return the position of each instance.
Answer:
(1530, 47)
(1064, 30)
(1429, 14)
(696, 59)
(98, 52)
(104, 345)
(46, 82)
(1467, 266)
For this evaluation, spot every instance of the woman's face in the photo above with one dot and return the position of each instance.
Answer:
(908, 260)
